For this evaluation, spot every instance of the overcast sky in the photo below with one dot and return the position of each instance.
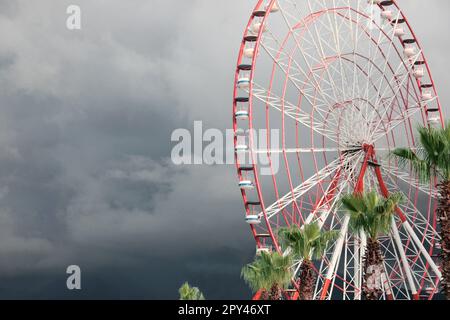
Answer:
(85, 124)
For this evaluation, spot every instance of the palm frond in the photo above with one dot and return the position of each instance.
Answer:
(190, 293)
(376, 214)
(267, 270)
(432, 157)
(307, 242)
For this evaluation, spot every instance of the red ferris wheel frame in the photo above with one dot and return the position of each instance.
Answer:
(260, 15)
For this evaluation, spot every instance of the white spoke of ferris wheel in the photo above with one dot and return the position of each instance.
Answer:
(406, 177)
(420, 246)
(332, 207)
(322, 56)
(398, 80)
(417, 247)
(306, 58)
(377, 51)
(387, 57)
(403, 78)
(324, 211)
(370, 61)
(403, 117)
(410, 209)
(306, 186)
(339, 258)
(372, 55)
(291, 111)
(404, 259)
(301, 150)
(305, 55)
(346, 259)
(395, 271)
(394, 123)
(335, 30)
(419, 266)
(336, 254)
(298, 84)
(360, 250)
(386, 283)
(418, 243)
(392, 38)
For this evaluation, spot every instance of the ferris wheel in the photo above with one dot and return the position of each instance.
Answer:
(324, 90)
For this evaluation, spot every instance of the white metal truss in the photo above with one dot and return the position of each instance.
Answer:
(395, 173)
(306, 186)
(291, 111)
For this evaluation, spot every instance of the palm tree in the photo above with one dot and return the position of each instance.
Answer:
(269, 273)
(431, 160)
(306, 244)
(372, 214)
(190, 293)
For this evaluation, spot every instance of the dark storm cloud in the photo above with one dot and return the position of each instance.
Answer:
(85, 174)
(85, 125)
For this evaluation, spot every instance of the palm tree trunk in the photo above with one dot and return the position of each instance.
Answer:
(443, 214)
(306, 281)
(373, 268)
(275, 293)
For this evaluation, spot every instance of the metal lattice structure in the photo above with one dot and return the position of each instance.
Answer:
(345, 82)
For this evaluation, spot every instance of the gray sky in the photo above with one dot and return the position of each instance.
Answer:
(85, 125)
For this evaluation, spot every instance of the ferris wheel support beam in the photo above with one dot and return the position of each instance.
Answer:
(329, 199)
(408, 228)
(405, 177)
(406, 266)
(305, 187)
(359, 188)
(336, 254)
(358, 265)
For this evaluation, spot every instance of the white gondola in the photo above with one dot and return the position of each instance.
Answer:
(246, 185)
(427, 96)
(275, 7)
(253, 219)
(260, 251)
(399, 32)
(241, 133)
(243, 82)
(256, 27)
(249, 53)
(434, 120)
(409, 52)
(242, 115)
(241, 148)
(387, 14)
(419, 73)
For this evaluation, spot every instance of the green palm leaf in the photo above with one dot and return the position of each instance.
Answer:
(370, 212)
(190, 293)
(307, 242)
(431, 159)
(267, 270)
